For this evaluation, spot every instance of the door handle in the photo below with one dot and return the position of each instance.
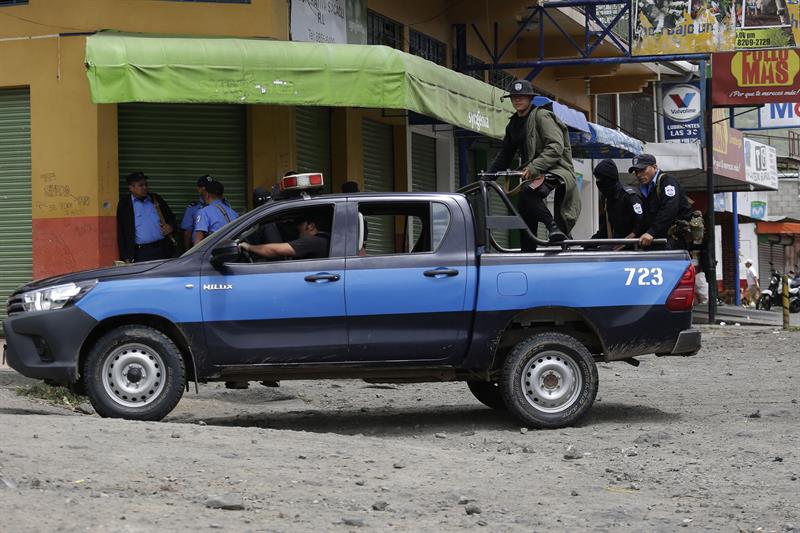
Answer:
(441, 272)
(322, 277)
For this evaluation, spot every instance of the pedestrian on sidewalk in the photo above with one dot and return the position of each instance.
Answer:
(753, 286)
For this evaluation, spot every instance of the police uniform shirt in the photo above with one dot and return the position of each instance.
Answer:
(190, 215)
(210, 218)
(311, 247)
(147, 223)
(664, 204)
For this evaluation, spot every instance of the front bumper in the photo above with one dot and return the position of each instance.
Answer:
(46, 344)
(688, 343)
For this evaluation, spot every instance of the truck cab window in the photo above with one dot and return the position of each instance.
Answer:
(402, 227)
(306, 230)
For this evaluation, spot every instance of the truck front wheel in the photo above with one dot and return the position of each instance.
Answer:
(134, 372)
(549, 380)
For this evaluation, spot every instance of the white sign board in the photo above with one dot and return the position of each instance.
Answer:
(786, 115)
(760, 164)
(320, 21)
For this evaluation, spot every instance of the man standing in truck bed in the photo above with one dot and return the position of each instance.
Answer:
(542, 141)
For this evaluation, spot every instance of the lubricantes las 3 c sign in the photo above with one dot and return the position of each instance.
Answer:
(755, 77)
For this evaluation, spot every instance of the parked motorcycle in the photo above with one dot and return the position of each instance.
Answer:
(773, 295)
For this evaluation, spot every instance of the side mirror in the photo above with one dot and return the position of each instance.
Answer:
(227, 251)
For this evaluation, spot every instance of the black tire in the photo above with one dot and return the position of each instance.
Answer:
(764, 302)
(134, 372)
(794, 305)
(556, 361)
(488, 393)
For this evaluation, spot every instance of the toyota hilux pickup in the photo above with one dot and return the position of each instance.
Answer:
(414, 288)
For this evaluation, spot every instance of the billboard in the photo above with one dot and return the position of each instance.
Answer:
(682, 111)
(684, 26)
(766, 23)
(751, 77)
(702, 26)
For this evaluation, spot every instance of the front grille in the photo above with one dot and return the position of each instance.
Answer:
(14, 305)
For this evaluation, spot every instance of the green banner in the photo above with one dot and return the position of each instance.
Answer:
(142, 68)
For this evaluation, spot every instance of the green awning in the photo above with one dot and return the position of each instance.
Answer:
(141, 68)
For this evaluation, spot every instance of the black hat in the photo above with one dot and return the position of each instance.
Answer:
(203, 181)
(642, 161)
(135, 177)
(214, 187)
(606, 170)
(519, 87)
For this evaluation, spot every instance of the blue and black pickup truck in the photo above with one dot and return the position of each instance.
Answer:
(414, 288)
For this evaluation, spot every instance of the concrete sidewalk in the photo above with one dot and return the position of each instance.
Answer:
(731, 314)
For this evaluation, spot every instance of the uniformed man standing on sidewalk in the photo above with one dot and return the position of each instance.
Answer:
(190, 214)
(215, 214)
(542, 142)
(144, 223)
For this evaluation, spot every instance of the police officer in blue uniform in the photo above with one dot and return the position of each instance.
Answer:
(215, 214)
(144, 223)
(189, 215)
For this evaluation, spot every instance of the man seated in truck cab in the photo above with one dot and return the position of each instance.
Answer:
(312, 242)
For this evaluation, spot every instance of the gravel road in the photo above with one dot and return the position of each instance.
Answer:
(706, 443)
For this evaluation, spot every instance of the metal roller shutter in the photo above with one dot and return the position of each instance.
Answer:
(174, 144)
(769, 253)
(378, 143)
(423, 163)
(313, 141)
(16, 263)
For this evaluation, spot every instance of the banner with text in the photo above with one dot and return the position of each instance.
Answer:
(767, 23)
(682, 111)
(728, 147)
(702, 26)
(684, 26)
(753, 77)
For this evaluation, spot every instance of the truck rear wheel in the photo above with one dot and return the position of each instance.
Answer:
(549, 380)
(488, 393)
(134, 372)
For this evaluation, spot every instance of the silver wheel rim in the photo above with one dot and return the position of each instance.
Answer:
(551, 382)
(134, 375)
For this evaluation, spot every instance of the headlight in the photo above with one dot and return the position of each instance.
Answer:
(56, 297)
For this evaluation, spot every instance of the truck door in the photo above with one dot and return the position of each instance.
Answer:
(406, 287)
(281, 311)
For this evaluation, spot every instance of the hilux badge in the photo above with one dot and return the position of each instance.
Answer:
(217, 286)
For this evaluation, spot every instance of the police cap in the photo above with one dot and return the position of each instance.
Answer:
(641, 162)
(203, 181)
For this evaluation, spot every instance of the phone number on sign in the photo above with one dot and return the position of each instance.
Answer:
(750, 43)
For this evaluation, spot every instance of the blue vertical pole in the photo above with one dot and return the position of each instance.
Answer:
(735, 208)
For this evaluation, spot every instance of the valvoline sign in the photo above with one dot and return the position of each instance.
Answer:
(682, 107)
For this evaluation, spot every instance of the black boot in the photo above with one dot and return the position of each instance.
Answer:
(555, 234)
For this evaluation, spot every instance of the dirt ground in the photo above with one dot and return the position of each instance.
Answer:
(706, 443)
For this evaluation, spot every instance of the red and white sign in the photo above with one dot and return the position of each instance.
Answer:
(752, 77)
